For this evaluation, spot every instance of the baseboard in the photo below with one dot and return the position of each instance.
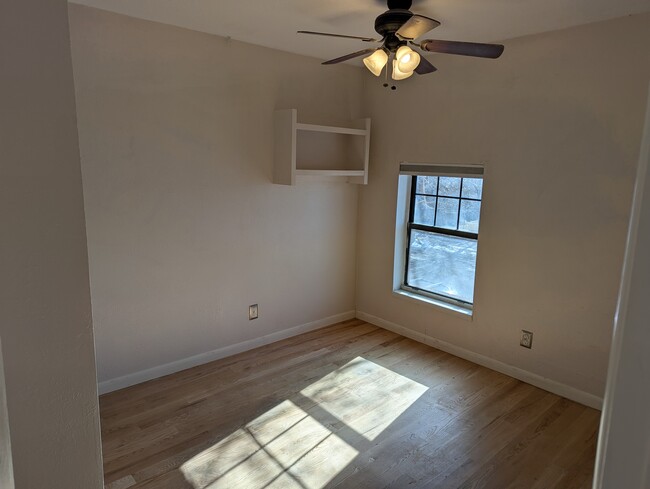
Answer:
(516, 372)
(185, 363)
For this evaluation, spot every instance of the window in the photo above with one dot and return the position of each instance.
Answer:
(442, 232)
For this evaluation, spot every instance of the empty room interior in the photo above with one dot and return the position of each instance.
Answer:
(300, 244)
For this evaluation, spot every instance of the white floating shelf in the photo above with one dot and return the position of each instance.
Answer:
(318, 151)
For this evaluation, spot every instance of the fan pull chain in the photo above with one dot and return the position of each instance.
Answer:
(386, 82)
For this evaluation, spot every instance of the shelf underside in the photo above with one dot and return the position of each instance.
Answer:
(330, 173)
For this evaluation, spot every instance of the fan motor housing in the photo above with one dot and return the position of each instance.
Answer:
(388, 23)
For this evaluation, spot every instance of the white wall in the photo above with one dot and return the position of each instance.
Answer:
(557, 123)
(185, 228)
(624, 446)
(45, 315)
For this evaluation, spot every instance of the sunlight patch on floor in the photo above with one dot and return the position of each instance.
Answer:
(285, 447)
(365, 396)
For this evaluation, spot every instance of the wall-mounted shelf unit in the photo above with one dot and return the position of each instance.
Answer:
(316, 151)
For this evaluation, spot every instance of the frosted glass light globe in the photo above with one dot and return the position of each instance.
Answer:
(407, 59)
(398, 74)
(376, 61)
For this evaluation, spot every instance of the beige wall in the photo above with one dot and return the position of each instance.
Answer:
(185, 228)
(557, 123)
(45, 315)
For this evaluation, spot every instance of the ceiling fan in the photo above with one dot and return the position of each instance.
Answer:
(399, 27)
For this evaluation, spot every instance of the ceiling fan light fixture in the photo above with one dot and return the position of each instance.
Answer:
(399, 29)
(407, 59)
(399, 74)
(376, 61)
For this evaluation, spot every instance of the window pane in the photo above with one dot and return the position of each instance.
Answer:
(470, 212)
(447, 216)
(449, 187)
(425, 210)
(427, 185)
(443, 265)
(472, 188)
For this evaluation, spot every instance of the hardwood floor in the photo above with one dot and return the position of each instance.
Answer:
(347, 406)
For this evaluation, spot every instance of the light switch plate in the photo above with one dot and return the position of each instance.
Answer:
(252, 312)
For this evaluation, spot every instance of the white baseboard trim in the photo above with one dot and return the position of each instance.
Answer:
(516, 372)
(185, 363)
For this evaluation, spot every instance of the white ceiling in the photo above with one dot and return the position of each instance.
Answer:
(273, 23)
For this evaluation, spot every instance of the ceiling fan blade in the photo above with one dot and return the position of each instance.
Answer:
(463, 48)
(350, 56)
(365, 39)
(425, 67)
(416, 26)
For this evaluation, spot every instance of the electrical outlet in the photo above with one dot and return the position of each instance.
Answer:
(252, 312)
(526, 339)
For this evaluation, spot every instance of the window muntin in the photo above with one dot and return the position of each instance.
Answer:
(442, 236)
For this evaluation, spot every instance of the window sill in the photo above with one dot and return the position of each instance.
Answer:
(443, 306)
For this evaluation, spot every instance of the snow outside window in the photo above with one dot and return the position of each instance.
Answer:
(442, 237)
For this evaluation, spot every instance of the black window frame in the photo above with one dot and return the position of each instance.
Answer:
(411, 225)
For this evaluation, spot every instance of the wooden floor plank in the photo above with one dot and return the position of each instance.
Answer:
(347, 406)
